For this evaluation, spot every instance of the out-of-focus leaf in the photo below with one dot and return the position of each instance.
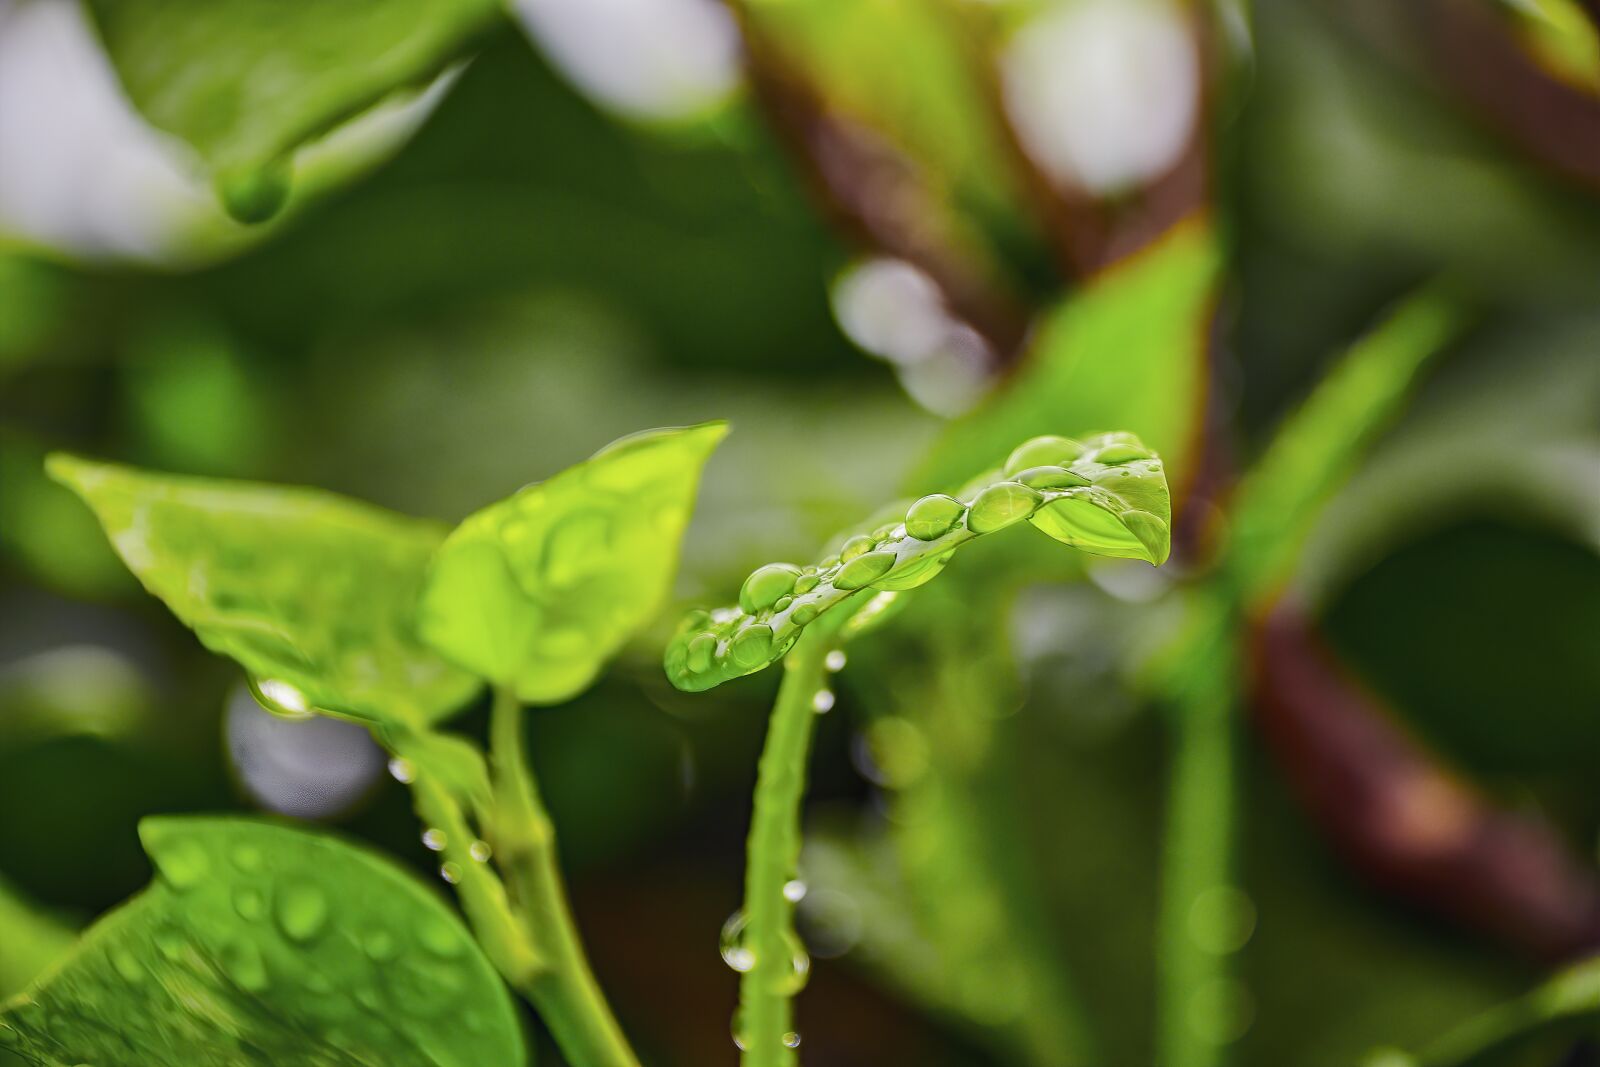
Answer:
(538, 590)
(1127, 350)
(261, 944)
(30, 940)
(1106, 495)
(1314, 451)
(311, 592)
(46, 532)
(248, 81)
(1561, 37)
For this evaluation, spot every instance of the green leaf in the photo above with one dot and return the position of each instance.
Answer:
(248, 81)
(537, 591)
(1106, 495)
(1315, 450)
(312, 593)
(33, 939)
(1127, 350)
(262, 944)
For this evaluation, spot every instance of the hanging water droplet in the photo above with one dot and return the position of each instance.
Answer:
(933, 516)
(734, 952)
(736, 1027)
(822, 703)
(765, 585)
(863, 570)
(301, 910)
(791, 1039)
(434, 839)
(403, 770)
(794, 891)
(280, 698)
(252, 195)
(450, 871)
(480, 850)
(835, 660)
(1000, 505)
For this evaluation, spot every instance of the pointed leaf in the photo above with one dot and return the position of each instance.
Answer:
(539, 590)
(1106, 495)
(312, 593)
(262, 944)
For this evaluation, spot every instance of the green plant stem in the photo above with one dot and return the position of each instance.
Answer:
(766, 990)
(1198, 860)
(561, 985)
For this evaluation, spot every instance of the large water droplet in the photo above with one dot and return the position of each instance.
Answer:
(1115, 454)
(863, 570)
(766, 585)
(1047, 451)
(752, 646)
(302, 911)
(280, 698)
(702, 651)
(933, 516)
(1000, 505)
(1052, 478)
(738, 955)
(805, 583)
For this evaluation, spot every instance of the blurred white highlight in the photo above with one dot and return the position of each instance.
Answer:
(1103, 93)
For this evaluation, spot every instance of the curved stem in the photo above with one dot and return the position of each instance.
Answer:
(766, 1013)
(561, 986)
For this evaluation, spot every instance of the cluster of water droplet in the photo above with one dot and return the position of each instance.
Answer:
(779, 599)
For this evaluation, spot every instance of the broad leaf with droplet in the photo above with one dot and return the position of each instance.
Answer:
(312, 593)
(246, 82)
(537, 591)
(1106, 495)
(262, 944)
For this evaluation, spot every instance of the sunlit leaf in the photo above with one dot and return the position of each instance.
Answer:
(312, 593)
(248, 81)
(261, 944)
(1127, 350)
(538, 590)
(1106, 495)
(1314, 451)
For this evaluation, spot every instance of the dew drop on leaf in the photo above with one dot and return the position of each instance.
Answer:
(766, 585)
(752, 646)
(1047, 451)
(933, 516)
(863, 570)
(302, 911)
(1000, 505)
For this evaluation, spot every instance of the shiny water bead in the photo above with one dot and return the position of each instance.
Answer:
(805, 613)
(766, 585)
(806, 582)
(702, 650)
(1000, 505)
(864, 570)
(1118, 453)
(884, 532)
(1051, 478)
(856, 546)
(1048, 451)
(933, 516)
(752, 646)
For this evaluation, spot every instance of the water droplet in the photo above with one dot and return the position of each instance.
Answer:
(280, 698)
(434, 839)
(737, 1029)
(249, 903)
(255, 194)
(380, 945)
(1047, 451)
(863, 570)
(835, 660)
(1000, 505)
(184, 862)
(752, 646)
(1115, 454)
(805, 613)
(440, 938)
(933, 516)
(403, 770)
(480, 850)
(822, 703)
(241, 961)
(791, 1039)
(794, 891)
(782, 603)
(248, 858)
(450, 871)
(127, 966)
(702, 651)
(765, 585)
(1052, 478)
(805, 583)
(301, 911)
(734, 952)
(856, 546)
(914, 572)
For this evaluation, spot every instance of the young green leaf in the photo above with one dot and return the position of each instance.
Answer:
(1106, 495)
(248, 81)
(312, 593)
(262, 944)
(1313, 452)
(537, 591)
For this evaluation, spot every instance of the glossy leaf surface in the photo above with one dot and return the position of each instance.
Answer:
(312, 593)
(262, 944)
(539, 590)
(1106, 495)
